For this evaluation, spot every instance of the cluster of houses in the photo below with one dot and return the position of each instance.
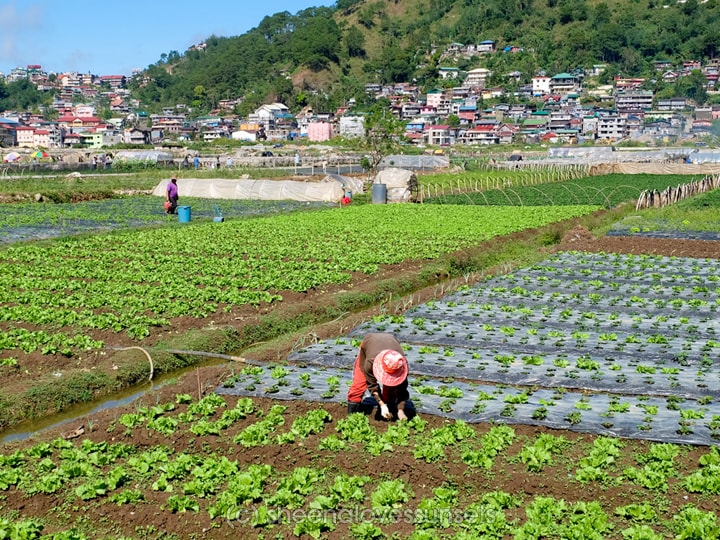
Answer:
(554, 109)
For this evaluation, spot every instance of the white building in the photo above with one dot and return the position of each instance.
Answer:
(477, 77)
(352, 126)
(541, 86)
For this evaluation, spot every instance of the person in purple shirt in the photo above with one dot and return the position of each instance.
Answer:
(171, 196)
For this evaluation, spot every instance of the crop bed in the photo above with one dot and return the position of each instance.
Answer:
(137, 281)
(609, 344)
(32, 221)
(177, 465)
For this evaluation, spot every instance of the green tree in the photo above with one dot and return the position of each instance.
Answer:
(693, 87)
(382, 134)
(355, 42)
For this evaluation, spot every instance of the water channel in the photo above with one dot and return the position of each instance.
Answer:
(73, 414)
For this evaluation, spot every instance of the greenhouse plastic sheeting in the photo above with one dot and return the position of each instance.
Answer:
(603, 343)
(328, 190)
(418, 162)
(356, 185)
(153, 156)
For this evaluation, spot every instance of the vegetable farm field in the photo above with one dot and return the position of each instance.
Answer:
(69, 299)
(32, 221)
(574, 395)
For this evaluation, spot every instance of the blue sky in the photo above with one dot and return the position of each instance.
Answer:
(113, 38)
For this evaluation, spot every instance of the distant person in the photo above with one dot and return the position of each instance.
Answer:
(217, 162)
(94, 163)
(108, 162)
(186, 162)
(171, 196)
(345, 200)
(297, 159)
(228, 162)
(196, 162)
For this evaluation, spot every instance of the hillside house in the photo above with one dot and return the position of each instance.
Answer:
(319, 131)
(449, 72)
(486, 46)
(439, 135)
(559, 119)
(409, 110)
(660, 129)
(670, 76)
(351, 126)
(42, 139)
(113, 81)
(589, 125)
(435, 98)
(483, 133)
(637, 100)
(541, 86)
(78, 124)
(24, 136)
(136, 136)
(625, 84)
(611, 127)
(704, 113)
(71, 140)
(672, 104)
(467, 114)
(269, 114)
(212, 134)
(564, 83)
(477, 78)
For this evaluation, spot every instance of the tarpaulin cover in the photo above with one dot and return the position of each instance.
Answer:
(401, 183)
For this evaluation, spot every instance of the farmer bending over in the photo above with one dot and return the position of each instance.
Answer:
(382, 369)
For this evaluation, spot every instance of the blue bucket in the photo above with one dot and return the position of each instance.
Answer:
(183, 214)
(218, 217)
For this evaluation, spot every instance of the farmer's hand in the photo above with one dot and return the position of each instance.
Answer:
(385, 412)
(402, 415)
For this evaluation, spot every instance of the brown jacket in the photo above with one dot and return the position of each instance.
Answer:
(370, 347)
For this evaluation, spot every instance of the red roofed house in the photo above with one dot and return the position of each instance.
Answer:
(41, 138)
(482, 133)
(113, 81)
(438, 135)
(71, 139)
(78, 124)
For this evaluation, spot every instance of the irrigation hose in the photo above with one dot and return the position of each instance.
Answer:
(152, 368)
(177, 351)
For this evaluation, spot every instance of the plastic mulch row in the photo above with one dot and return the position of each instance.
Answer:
(652, 418)
(554, 369)
(646, 380)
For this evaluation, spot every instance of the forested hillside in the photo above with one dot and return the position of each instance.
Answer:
(323, 56)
